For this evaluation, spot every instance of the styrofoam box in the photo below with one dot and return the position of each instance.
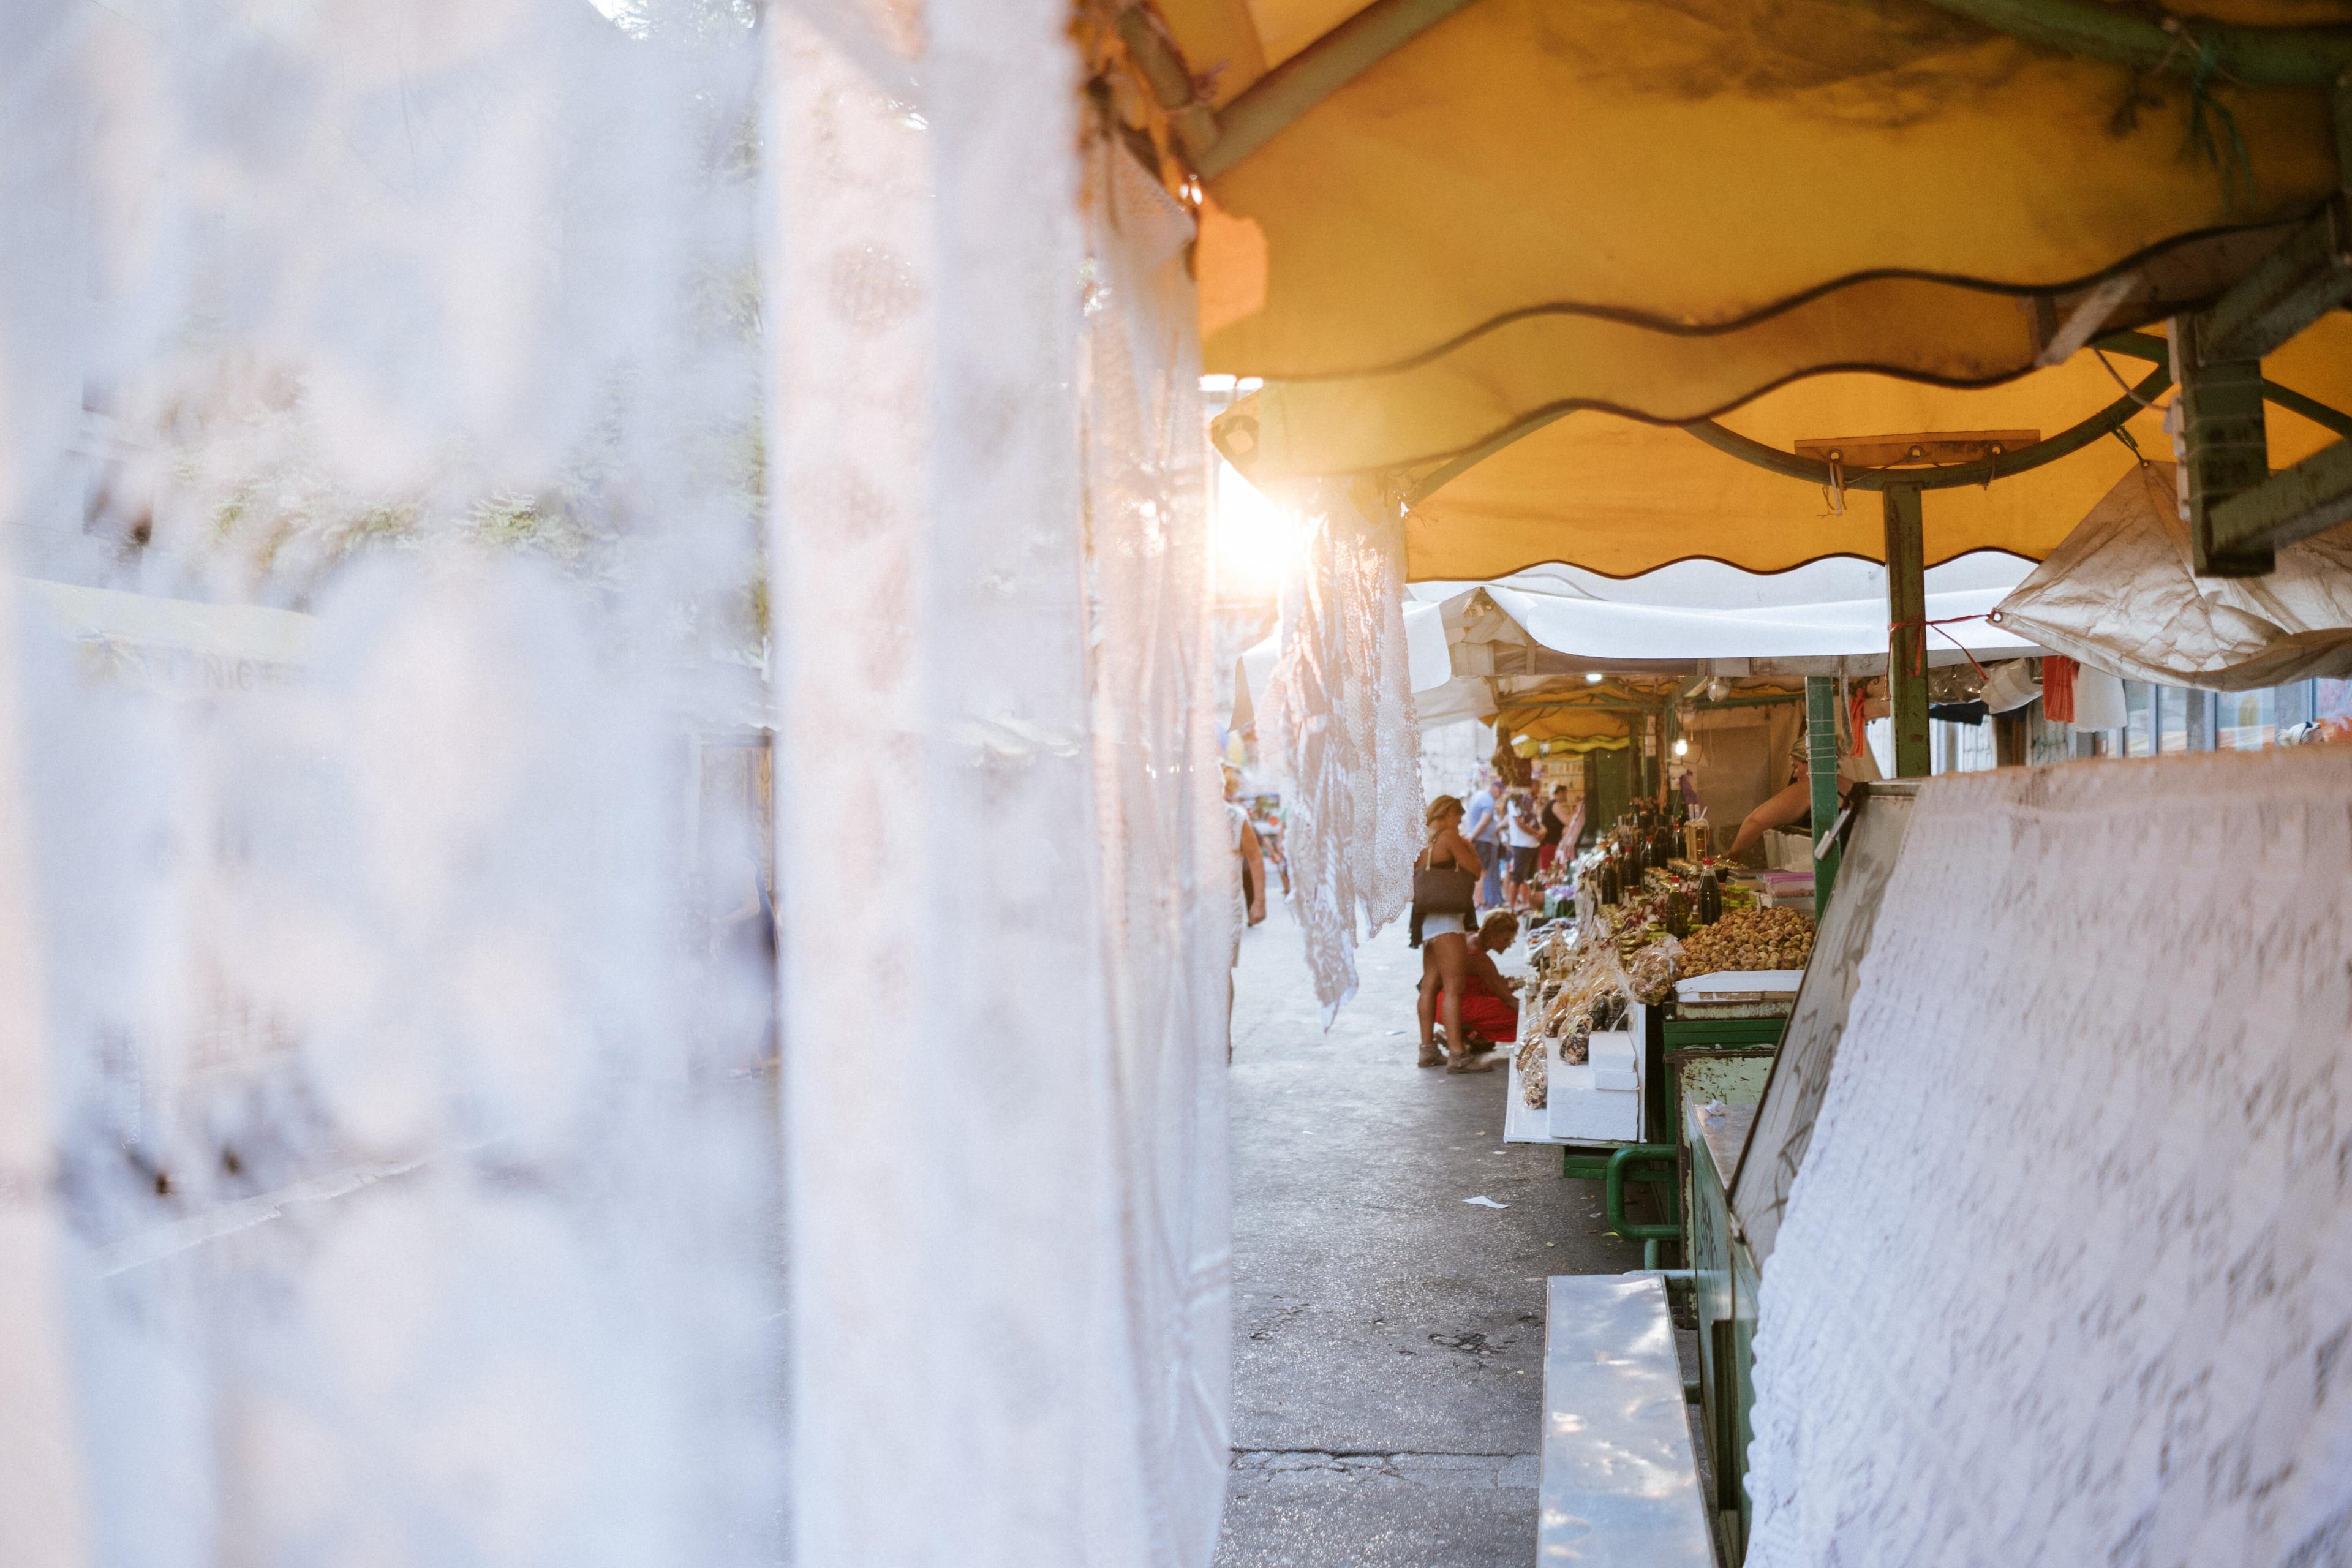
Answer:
(1586, 1100)
(1616, 1062)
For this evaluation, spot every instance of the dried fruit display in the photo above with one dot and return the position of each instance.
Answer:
(1749, 939)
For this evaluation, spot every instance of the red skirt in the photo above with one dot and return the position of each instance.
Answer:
(1490, 1015)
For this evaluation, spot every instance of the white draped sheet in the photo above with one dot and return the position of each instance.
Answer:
(1004, 861)
(395, 1168)
(2066, 1276)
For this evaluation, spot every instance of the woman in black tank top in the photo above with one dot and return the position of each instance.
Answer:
(1443, 934)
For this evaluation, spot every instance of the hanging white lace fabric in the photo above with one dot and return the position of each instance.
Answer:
(1338, 722)
(1003, 869)
(1163, 834)
(2066, 1275)
(390, 1173)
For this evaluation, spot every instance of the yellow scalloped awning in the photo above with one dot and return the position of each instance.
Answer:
(1567, 730)
(1622, 496)
(1552, 363)
(1501, 193)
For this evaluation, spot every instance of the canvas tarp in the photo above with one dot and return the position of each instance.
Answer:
(1513, 169)
(1621, 497)
(2119, 594)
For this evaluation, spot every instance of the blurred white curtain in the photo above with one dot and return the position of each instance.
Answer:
(1005, 867)
(1338, 721)
(390, 1163)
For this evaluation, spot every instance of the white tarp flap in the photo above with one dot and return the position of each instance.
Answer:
(1425, 638)
(1597, 628)
(2065, 1276)
(2119, 594)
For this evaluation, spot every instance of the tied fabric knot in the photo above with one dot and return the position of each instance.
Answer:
(1919, 660)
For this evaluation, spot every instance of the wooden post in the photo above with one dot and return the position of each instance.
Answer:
(1906, 639)
(1822, 761)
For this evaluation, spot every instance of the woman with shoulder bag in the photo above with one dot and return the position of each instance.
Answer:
(1444, 911)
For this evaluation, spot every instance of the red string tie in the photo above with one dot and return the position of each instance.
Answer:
(1919, 650)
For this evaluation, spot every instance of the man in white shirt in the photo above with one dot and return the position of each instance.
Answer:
(1521, 837)
(1482, 826)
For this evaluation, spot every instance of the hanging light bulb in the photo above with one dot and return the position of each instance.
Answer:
(1682, 747)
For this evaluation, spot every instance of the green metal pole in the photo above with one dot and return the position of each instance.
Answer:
(2258, 57)
(1907, 637)
(1822, 759)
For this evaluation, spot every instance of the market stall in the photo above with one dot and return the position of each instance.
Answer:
(1666, 956)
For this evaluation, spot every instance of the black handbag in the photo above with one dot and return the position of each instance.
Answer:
(1442, 890)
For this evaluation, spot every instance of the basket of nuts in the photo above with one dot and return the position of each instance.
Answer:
(1749, 939)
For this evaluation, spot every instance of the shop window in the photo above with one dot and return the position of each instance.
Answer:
(2331, 708)
(2172, 717)
(2245, 720)
(1960, 748)
(2139, 719)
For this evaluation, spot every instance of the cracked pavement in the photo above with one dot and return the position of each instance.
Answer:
(1387, 1337)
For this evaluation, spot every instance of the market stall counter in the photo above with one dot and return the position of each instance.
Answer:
(1631, 1007)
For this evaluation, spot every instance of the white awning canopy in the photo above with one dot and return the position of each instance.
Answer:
(1703, 611)
(1474, 642)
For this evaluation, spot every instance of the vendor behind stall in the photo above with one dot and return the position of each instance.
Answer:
(1794, 804)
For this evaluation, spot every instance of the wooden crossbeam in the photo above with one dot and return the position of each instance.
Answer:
(1926, 448)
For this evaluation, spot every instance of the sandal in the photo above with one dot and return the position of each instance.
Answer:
(1473, 1064)
(1431, 1057)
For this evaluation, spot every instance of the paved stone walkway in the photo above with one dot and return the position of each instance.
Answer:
(1387, 1337)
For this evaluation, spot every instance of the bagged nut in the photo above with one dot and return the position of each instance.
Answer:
(1651, 975)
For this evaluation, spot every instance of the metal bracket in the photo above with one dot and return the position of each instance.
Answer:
(2314, 495)
(2302, 281)
(2222, 443)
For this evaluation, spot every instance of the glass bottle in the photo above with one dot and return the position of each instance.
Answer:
(1710, 894)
